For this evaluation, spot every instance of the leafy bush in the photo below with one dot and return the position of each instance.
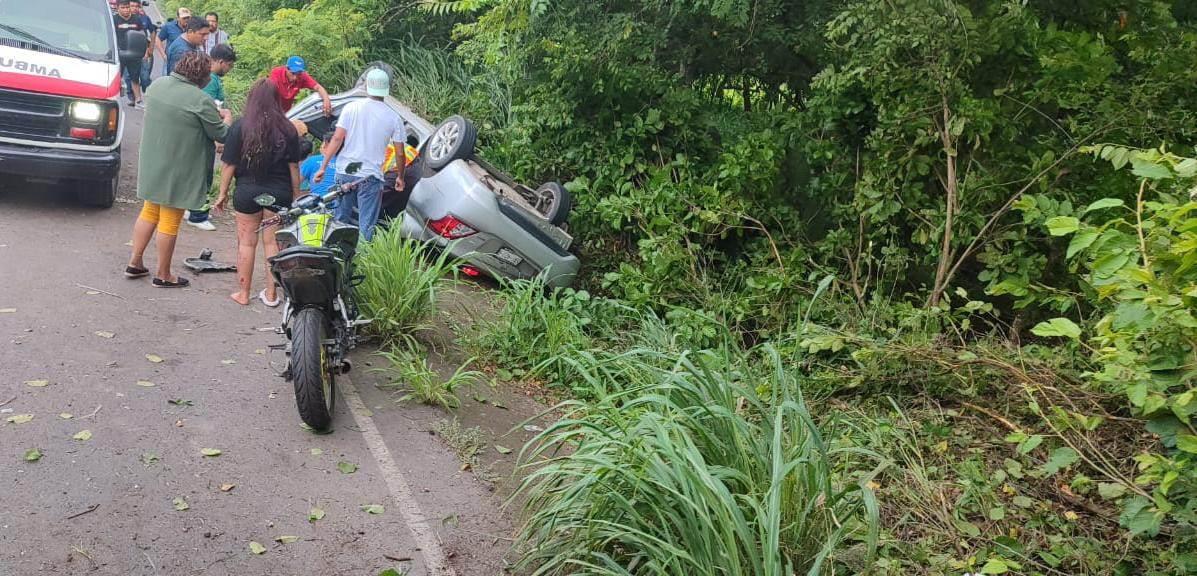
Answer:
(1141, 262)
(682, 470)
(401, 283)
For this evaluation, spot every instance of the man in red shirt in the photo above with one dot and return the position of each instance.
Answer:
(292, 78)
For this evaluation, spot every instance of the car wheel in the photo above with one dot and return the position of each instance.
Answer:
(554, 202)
(97, 194)
(453, 140)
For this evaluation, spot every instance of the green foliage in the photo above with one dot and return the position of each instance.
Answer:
(689, 472)
(1139, 263)
(399, 291)
(411, 372)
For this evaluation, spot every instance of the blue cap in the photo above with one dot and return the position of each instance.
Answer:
(296, 64)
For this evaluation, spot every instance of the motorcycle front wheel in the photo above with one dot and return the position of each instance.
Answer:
(315, 390)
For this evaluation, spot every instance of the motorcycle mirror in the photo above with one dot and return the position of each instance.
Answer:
(353, 167)
(265, 200)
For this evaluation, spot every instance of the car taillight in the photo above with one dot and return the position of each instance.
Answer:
(450, 227)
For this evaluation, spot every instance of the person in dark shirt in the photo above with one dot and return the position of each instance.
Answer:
(126, 22)
(262, 152)
(147, 65)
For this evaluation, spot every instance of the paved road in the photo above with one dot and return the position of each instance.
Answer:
(108, 504)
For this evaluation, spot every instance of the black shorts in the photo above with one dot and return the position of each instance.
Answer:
(132, 67)
(244, 197)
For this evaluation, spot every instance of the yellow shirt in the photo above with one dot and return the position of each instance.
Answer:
(409, 153)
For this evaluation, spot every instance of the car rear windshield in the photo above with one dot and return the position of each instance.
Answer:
(81, 28)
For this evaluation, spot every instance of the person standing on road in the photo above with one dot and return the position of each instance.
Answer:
(171, 32)
(223, 58)
(364, 130)
(216, 36)
(175, 162)
(262, 152)
(292, 78)
(147, 65)
(192, 40)
(126, 22)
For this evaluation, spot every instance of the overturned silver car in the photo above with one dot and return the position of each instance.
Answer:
(460, 203)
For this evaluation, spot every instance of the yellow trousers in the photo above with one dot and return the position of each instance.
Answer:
(165, 217)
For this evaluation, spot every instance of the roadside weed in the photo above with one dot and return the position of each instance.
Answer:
(401, 284)
(411, 372)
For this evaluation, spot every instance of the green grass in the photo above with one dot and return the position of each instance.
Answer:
(401, 284)
(411, 372)
(685, 471)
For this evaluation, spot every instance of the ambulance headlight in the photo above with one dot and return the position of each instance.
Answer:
(86, 112)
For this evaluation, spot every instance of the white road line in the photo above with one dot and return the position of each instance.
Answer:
(435, 560)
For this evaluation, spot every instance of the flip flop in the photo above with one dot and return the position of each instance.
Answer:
(131, 272)
(180, 282)
(268, 303)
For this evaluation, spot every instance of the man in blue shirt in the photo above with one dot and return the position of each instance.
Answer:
(192, 40)
(172, 30)
(308, 168)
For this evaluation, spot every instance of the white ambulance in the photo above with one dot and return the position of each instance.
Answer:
(60, 113)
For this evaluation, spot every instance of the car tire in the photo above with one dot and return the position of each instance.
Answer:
(453, 140)
(554, 202)
(97, 194)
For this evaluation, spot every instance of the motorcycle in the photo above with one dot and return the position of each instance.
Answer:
(314, 267)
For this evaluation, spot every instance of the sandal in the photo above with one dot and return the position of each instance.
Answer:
(131, 272)
(268, 303)
(180, 282)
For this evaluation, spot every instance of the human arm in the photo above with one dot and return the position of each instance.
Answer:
(293, 167)
(215, 123)
(306, 81)
(226, 180)
(328, 109)
(334, 146)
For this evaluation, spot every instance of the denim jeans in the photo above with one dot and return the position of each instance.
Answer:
(197, 216)
(367, 198)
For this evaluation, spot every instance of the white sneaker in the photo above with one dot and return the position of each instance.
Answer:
(205, 225)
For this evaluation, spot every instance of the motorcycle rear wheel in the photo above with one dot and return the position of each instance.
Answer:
(315, 389)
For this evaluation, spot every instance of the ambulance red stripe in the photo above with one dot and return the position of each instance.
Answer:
(60, 87)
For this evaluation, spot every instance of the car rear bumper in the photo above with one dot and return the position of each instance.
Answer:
(480, 250)
(58, 163)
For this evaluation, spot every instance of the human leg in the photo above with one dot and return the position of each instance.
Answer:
(168, 234)
(369, 198)
(269, 249)
(347, 203)
(143, 231)
(247, 244)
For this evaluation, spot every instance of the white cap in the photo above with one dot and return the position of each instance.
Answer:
(378, 83)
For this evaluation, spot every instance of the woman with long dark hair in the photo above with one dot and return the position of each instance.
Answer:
(262, 152)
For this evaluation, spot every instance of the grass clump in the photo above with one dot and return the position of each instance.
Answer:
(686, 471)
(401, 284)
(466, 443)
(411, 372)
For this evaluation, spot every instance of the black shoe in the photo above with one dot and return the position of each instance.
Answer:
(131, 272)
(180, 282)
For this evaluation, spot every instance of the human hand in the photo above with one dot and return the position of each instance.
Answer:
(318, 176)
(226, 115)
(221, 203)
(399, 184)
(327, 107)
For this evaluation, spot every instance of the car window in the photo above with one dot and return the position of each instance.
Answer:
(83, 27)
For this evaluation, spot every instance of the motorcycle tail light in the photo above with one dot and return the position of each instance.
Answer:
(450, 227)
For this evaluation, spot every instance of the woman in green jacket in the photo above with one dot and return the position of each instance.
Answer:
(181, 123)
